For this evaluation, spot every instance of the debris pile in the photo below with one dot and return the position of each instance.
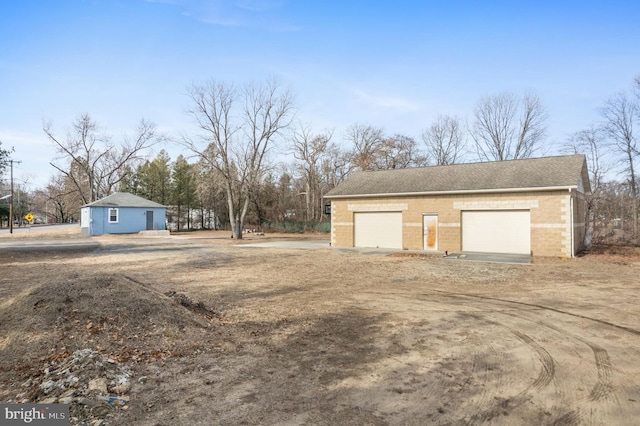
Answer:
(76, 340)
(94, 386)
(195, 307)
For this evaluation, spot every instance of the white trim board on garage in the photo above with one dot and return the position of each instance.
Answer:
(500, 231)
(378, 229)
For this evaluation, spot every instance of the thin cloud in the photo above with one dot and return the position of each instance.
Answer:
(382, 101)
(259, 5)
(234, 13)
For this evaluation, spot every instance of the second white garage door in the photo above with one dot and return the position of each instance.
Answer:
(379, 229)
(497, 231)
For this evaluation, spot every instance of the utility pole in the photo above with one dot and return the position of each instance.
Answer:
(11, 203)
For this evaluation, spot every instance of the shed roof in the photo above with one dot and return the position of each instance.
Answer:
(567, 171)
(124, 199)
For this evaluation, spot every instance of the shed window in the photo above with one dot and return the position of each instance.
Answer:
(113, 215)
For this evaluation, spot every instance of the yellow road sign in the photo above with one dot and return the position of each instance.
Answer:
(29, 217)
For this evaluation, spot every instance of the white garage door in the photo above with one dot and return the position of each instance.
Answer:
(497, 231)
(383, 230)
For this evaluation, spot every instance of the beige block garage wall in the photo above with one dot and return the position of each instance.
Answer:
(579, 220)
(341, 224)
(550, 218)
(448, 222)
(550, 225)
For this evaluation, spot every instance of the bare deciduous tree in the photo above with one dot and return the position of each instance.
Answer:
(237, 135)
(92, 161)
(310, 150)
(444, 140)
(62, 197)
(337, 166)
(621, 114)
(398, 152)
(372, 150)
(212, 194)
(507, 127)
(4, 158)
(365, 140)
(591, 143)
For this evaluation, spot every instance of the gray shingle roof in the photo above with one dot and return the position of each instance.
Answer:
(124, 199)
(548, 172)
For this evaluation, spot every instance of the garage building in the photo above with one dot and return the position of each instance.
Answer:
(531, 206)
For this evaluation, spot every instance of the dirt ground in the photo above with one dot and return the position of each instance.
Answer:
(196, 329)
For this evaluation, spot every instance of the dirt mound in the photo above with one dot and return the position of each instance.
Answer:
(112, 314)
(72, 340)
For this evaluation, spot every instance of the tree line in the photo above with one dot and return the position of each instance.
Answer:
(252, 164)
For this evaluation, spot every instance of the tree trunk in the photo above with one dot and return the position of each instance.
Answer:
(236, 229)
(634, 194)
(234, 220)
(243, 213)
(307, 198)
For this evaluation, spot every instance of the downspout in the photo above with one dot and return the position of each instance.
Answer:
(571, 229)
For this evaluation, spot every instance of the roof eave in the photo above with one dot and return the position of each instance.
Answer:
(457, 192)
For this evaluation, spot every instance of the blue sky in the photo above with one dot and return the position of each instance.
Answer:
(391, 64)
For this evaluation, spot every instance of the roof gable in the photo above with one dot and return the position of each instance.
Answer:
(124, 199)
(566, 171)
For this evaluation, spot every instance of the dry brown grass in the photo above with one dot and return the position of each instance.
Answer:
(272, 336)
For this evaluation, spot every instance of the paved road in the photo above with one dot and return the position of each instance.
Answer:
(302, 244)
(41, 245)
(19, 230)
(490, 257)
(318, 244)
(33, 244)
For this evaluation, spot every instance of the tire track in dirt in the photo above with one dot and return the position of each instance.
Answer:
(604, 387)
(545, 377)
(547, 308)
(484, 365)
(572, 418)
(548, 370)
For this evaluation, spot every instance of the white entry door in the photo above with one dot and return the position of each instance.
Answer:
(378, 229)
(430, 231)
(84, 217)
(497, 231)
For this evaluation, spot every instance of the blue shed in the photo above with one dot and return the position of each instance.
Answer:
(121, 213)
